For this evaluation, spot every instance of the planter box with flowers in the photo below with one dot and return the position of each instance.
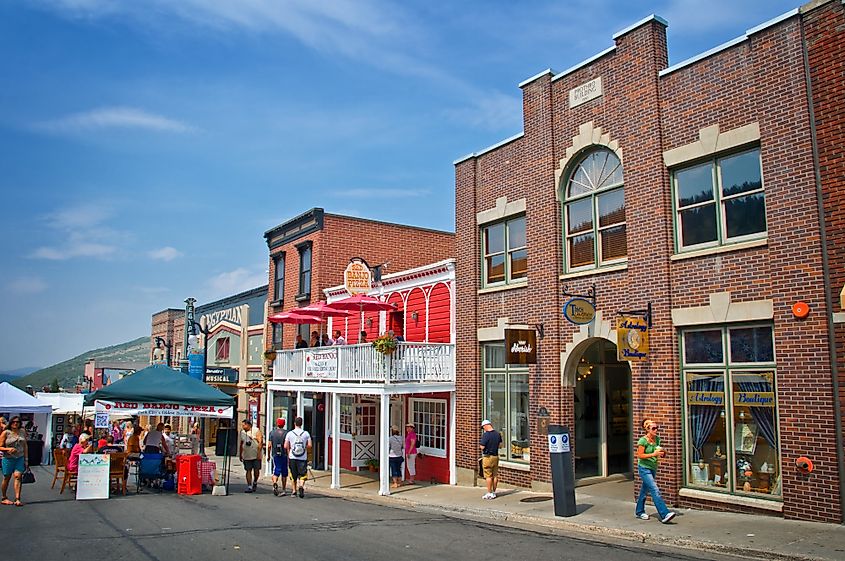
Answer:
(269, 355)
(385, 344)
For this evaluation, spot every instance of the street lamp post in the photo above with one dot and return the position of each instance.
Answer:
(160, 341)
(205, 331)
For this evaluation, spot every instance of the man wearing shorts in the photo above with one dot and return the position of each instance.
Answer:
(250, 454)
(276, 450)
(297, 443)
(490, 443)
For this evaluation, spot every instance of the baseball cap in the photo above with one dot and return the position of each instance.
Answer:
(280, 422)
(486, 422)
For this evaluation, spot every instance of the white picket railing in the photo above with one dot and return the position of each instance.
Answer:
(410, 362)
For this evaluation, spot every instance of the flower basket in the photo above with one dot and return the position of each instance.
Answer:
(385, 344)
(270, 356)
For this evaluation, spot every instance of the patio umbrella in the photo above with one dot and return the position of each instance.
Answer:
(362, 303)
(292, 317)
(321, 310)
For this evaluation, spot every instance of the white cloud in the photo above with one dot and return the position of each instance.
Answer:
(27, 285)
(377, 193)
(492, 111)
(114, 118)
(166, 253)
(232, 282)
(82, 233)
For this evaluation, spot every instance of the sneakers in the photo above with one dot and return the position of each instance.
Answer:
(301, 491)
(276, 489)
(255, 486)
(489, 496)
(642, 516)
(248, 489)
(669, 516)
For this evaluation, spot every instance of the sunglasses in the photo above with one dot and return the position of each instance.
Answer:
(653, 428)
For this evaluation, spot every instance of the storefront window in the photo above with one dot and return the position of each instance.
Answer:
(429, 418)
(731, 410)
(347, 408)
(506, 403)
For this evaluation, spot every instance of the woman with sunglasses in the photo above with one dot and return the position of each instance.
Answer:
(648, 453)
(13, 446)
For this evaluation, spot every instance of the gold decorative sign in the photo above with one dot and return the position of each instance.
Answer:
(754, 399)
(520, 346)
(706, 398)
(357, 277)
(632, 339)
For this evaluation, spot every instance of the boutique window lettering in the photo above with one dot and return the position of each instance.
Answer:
(731, 410)
(506, 402)
(594, 212)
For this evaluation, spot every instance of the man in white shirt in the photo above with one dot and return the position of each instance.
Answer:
(169, 440)
(250, 454)
(297, 443)
(338, 338)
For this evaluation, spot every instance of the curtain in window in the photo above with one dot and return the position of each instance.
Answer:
(763, 416)
(703, 417)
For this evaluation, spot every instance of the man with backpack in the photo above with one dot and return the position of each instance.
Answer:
(297, 443)
(276, 450)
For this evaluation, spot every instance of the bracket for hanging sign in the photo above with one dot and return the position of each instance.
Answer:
(591, 294)
(646, 314)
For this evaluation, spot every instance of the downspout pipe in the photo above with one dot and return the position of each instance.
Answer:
(828, 298)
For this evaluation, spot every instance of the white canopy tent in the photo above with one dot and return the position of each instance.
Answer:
(62, 403)
(14, 402)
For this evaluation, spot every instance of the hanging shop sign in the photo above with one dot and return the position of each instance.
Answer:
(520, 346)
(579, 311)
(632, 339)
(221, 375)
(134, 408)
(357, 278)
(321, 363)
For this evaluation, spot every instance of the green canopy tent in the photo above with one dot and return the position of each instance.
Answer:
(162, 391)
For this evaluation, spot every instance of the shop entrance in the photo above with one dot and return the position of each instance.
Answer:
(603, 442)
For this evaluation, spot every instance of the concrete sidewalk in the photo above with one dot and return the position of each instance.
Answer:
(605, 509)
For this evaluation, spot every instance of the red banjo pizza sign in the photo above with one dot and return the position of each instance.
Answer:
(132, 408)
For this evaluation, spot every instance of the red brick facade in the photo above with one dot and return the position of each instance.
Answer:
(334, 240)
(644, 111)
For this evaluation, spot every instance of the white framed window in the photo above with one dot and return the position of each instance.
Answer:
(730, 415)
(504, 252)
(429, 418)
(594, 212)
(347, 409)
(719, 201)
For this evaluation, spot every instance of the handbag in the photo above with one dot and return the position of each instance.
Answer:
(28, 477)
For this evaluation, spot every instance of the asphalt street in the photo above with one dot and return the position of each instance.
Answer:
(259, 526)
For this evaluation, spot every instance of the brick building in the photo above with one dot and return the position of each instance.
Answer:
(692, 191)
(308, 255)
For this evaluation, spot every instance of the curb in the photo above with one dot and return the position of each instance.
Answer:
(500, 517)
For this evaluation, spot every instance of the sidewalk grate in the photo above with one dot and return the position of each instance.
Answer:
(535, 499)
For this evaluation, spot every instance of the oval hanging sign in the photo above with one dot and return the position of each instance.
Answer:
(579, 311)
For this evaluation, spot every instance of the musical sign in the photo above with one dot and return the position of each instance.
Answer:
(520, 346)
(221, 376)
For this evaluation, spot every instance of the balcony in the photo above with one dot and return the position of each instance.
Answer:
(410, 363)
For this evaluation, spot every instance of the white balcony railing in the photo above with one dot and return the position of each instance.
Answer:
(411, 362)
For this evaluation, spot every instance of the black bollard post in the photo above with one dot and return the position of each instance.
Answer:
(563, 478)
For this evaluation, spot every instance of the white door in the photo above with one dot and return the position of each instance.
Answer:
(365, 436)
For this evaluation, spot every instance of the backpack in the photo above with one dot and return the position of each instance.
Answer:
(279, 448)
(298, 448)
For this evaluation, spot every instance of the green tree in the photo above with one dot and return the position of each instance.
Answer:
(54, 385)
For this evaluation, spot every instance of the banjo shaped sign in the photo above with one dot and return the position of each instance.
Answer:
(579, 311)
(357, 278)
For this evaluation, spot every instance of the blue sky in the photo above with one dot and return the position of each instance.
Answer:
(146, 145)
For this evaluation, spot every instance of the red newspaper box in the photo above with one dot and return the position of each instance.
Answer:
(189, 479)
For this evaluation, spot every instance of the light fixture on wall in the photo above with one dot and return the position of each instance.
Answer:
(369, 322)
(415, 316)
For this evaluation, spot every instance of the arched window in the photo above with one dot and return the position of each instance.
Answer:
(594, 212)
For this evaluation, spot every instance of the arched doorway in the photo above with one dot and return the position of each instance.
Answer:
(603, 445)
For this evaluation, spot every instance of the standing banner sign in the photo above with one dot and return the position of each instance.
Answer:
(93, 478)
(101, 420)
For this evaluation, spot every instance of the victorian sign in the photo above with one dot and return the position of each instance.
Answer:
(520, 346)
(357, 278)
(579, 311)
(632, 339)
